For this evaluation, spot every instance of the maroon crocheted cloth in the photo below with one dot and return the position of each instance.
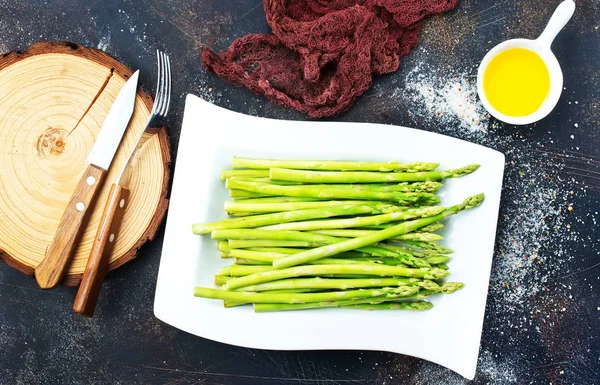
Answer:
(323, 53)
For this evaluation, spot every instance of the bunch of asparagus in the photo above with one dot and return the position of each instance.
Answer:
(314, 234)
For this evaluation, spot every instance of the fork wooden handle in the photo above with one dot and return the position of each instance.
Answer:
(104, 242)
(49, 272)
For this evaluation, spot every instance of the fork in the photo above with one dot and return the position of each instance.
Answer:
(118, 197)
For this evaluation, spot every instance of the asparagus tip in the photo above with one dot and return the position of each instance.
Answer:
(451, 287)
(464, 170)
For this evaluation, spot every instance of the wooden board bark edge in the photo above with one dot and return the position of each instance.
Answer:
(123, 71)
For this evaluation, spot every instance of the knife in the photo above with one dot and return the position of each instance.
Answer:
(118, 199)
(49, 272)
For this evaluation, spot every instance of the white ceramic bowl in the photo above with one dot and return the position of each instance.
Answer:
(541, 46)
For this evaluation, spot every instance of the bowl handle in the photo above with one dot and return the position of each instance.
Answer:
(559, 19)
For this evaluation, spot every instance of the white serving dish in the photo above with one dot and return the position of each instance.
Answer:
(449, 334)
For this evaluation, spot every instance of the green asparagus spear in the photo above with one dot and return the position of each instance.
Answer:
(221, 279)
(374, 303)
(424, 237)
(331, 165)
(244, 244)
(233, 193)
(265, 180)
(352, 244)
(242, 270)
(366, 177)
(341, 284)
(427, 229)
(318, 270)
(247, 173)
(420, 306)
(409, 198)
(421, 212)
(279, 199)
(266, 297)
(290, 216)
(323, 261)
(430, 186)
(364, 304)
(241, 214)
(233, 207)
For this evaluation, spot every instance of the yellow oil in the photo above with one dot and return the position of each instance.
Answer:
(516, 82)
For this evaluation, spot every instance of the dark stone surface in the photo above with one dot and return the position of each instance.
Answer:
(542, 320)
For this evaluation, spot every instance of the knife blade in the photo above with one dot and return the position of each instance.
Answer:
(49, 272)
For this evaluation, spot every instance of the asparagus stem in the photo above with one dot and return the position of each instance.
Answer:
(331, 165)
(221, 279)
(365, 177)
(224, 246)
(290, 216)
(256, 255)
(421, 212)
(267, 297)
(420, 306)
(234, 207)
(233, 193)
(242, 270)
(250, 234)
(264, 180)
(308, 270)
(228, 304)
(405, 198)
(270, 307)
(341, 284)
(280, 199)
(323, 261)
(432, 228)
(429, 186)
(352, 244)
(246, 173)
(245, 244)
(427, 229)
(426, 237)
(242, 214)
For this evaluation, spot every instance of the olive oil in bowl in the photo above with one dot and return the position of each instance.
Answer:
(516, 82)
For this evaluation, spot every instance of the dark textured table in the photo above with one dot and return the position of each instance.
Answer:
(542, 323)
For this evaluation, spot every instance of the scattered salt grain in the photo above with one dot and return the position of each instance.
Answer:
(446, 99)
(576, 125)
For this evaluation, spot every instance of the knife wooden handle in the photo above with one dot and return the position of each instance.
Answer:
(50, 271)
(97, 264)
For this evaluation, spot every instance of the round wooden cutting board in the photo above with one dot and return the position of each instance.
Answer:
(53, 100)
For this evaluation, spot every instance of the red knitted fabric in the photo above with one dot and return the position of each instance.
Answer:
(323, 53)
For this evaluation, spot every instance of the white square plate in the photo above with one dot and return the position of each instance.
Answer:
(449, 334)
